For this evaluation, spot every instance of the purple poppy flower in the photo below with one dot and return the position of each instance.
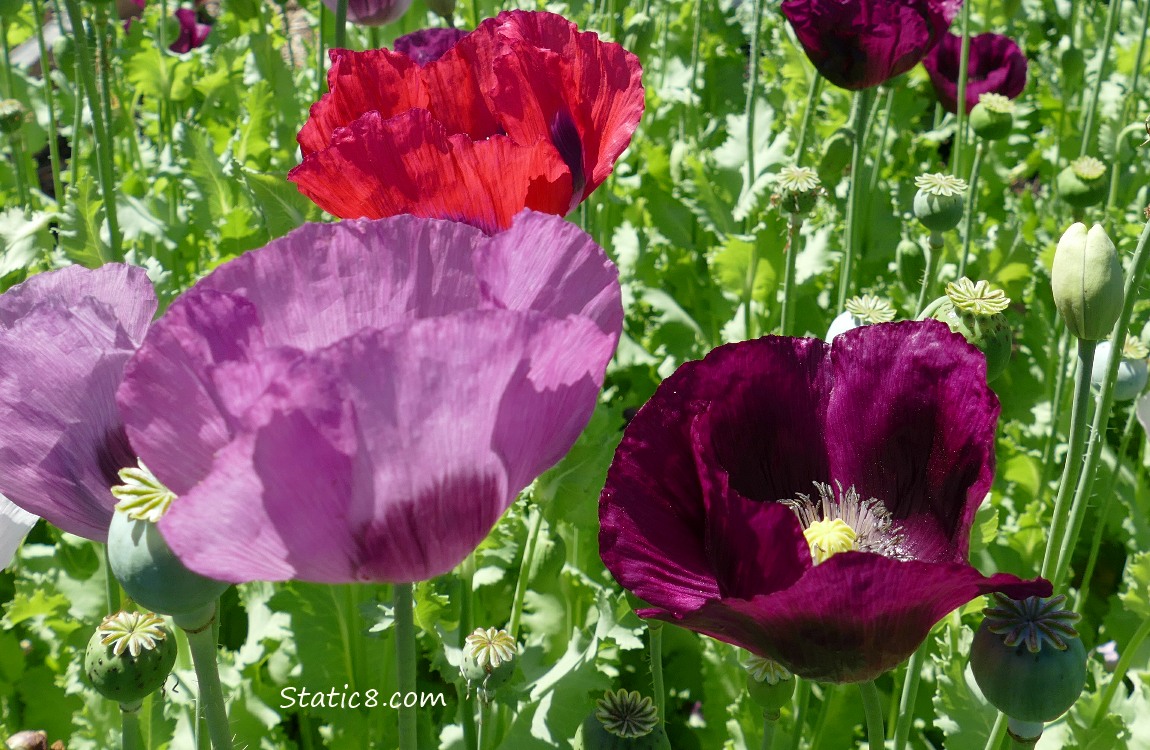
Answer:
(372, 12)
(996, 66)
(363, 400)
(193, 34)
(428, 45)
(65, 337)
(810, 502)
(856, 44)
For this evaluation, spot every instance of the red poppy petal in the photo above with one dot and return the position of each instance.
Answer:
(375, 80)
(409, 165)
(455, 86)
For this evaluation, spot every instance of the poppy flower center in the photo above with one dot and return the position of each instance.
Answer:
(845, 522)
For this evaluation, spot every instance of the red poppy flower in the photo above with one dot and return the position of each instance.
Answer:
(810, 502)
(856, 44)
(996, 66)
(523, 112)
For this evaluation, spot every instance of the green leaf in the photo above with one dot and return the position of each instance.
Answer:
(82, 225)
(1136, 582)
(38, 604)
(23, 239)
(156, 74)
(282, 206)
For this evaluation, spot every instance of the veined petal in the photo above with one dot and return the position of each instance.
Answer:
(428, 45)
(996, 66)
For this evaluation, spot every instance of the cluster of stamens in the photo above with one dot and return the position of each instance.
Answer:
(846, 522)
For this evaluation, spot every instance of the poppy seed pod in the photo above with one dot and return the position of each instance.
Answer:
(622, 720)
(1133, 371)
(975, 311)
(1087, 282)
(993, 117)
(130, 656)
(938, 203)
(1083, 182)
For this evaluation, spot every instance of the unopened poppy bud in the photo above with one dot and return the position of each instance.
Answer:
(130, 656)
(769, 684)
(1087, 282)
(1083, 183)
(975, 310)
(910, 261)
(993, 117)
(622, 720)
(442, 8)
(798, 189)
(488, 661)
(860, 311)
(1132, 370)
(142, 561)
(938, 203)
(1028, 661)
(836, 155)
(1073, 64)
(12, 115)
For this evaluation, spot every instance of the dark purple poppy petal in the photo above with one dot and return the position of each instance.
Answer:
(996, 66)
(857, 44)
(64, 339)
(854, 616)
(372, 12)
(911, 422)
(193, 34)
(428, 45)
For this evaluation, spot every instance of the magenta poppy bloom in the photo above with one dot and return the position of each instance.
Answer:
(524, 112)
(996, 66)
(361, 401)
(65, 337)
(372, 12)
(428, 45)
(810, 502)
(857, 44)
(193, 34)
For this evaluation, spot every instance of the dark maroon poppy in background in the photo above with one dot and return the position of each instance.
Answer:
(523, 112)
(996, 66)
(692, 524)
(372, 12)
(193, 34)
(856, 44)
(428, 45)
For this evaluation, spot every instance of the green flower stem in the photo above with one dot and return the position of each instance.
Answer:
(971, 204)
(802, 700)
(466, 595)
(341, 24)
(860, 108)
(790, 252)
(130, 725)
(405, 661)
(536, 523)
(103, 144)
(768, 732)
(1135, 77)
(880, 150)
(872, 707)
(960, 108)
(1128, 653)
(805, 126)
(1078, 416)
(933, 251)
(320, 52)
(202, 643)
(909, 696)
(16, 140)
(752, 87)
(50, 102)
(1059, 359)
(997, 732)
(655, 650)
(111, 585)
(1103, 513)
(1102, 412)
(1107, 39)
(1117, 169)
(485, 717)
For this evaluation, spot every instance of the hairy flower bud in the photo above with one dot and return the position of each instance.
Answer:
(911, 263)
(1087, 282)
(836, 155)
(939, 201)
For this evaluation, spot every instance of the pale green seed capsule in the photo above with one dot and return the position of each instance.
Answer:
(1087, 282)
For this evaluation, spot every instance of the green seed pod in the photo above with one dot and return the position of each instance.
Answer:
(798, 189)
(1132, 370)
(769, 684)
(993, 117)
(13, 115)
(1086, 279)
(1083, 183)
(860, 311)
(488, 661)
(130, 656)
(622, 721)
(1027, 658)
(976, 311)
(938, 203)
(837, 152)
(910, 261)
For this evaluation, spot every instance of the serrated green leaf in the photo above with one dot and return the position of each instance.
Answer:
(281, 205)
(39, 604)
(23, 239)
(1136, 584)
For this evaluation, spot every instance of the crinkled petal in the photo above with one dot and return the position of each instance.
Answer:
(858, 44)
(996, 66)
(851, 618)
(428, 45)
(911, 422)
(65, 339)
(376, 80)
(193, 34)
(15, 523)
(409, 165)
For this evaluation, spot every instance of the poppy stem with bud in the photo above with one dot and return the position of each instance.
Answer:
(963, 75)
(405, 661)
(907, 699)
(202, 643)
(971, 202)
(872, 707)
(860, 108)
